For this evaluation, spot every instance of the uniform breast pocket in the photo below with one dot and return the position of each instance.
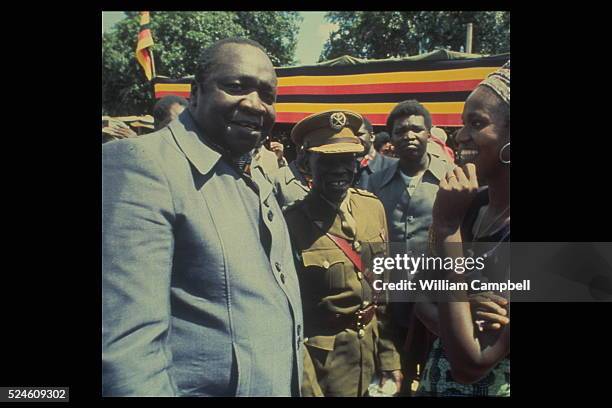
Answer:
(331, 264)
(376, 244)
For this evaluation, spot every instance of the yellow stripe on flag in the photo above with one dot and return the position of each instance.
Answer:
(145, 18)
(383, 108)
(388, 77)
(172, 87)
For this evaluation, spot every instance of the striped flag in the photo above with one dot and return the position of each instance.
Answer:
(370, 88)
(374, 88)
(143, 53)
(165, 86)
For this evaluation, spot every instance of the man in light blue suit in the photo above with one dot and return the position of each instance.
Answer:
(200, 294)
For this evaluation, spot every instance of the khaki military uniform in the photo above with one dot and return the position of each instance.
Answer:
(265, 161)
(340, 358)
(290, 185)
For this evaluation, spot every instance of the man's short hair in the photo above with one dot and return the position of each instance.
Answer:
(161, 110)
(408, 108)
(381, 139)
(207, 58)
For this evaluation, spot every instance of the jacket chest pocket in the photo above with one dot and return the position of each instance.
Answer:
(332, 264)
(376, 245)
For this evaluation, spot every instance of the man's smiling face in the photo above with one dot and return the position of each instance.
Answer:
(332, 174)
(234, 105)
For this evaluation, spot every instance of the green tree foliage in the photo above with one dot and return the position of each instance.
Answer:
(365, 34)
(179, 39)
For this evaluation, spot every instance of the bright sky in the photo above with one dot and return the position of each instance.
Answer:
(314, 31)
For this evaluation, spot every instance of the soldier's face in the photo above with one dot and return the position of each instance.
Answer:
(234, 106)
(409, 137)
(332, 174)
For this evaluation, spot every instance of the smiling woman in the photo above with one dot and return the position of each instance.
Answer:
(462, 215)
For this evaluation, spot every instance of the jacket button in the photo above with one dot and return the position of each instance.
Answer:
(361, 333)
(326, 264)
(282, 276)
(278, 266)
(299, 328)
(270, 215)
(359, 275)
(410, 219)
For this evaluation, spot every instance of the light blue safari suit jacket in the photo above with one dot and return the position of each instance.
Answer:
(192, 303)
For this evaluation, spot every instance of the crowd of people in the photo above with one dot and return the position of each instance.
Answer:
(228, 271)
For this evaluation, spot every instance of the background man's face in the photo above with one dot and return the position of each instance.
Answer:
(234, 105)
(366, 138)
(332, 174)
(409, 137)
(175, 110)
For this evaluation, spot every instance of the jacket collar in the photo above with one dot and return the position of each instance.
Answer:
(436, 168)
(187, 136)
(294, 174)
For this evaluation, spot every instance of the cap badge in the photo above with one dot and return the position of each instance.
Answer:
(337, 120)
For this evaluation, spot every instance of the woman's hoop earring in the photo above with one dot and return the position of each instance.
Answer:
(501, 152)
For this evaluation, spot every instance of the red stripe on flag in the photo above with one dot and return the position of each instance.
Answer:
(144, 53)
(144, 34)
(406, 87)
(438, 119)
(161, 94)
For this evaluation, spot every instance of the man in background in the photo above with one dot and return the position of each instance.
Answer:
(382, 144)
(372, 161)
(167, 109)
(408, 190)
(437, 145)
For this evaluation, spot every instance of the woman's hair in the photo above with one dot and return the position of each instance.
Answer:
(499, 83)
(500, 108)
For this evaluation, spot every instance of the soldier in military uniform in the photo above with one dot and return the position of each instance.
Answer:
(336, 230)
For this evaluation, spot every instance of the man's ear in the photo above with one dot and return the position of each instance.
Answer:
(306, 162)
(193, 99)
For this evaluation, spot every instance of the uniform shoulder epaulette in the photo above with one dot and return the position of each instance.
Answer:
(364, 193)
